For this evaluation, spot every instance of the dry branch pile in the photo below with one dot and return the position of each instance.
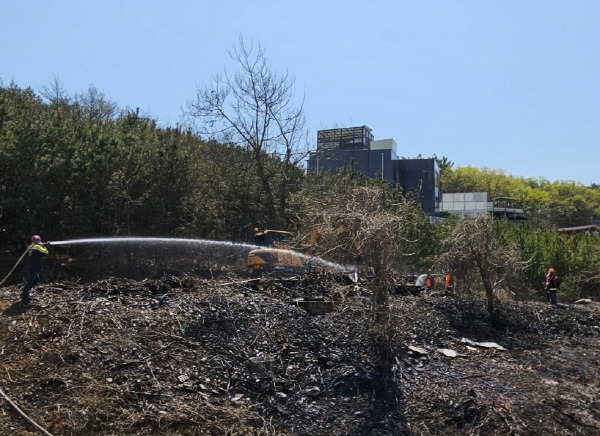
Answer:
(185, 356)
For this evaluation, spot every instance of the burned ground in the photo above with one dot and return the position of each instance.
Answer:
(191, 356)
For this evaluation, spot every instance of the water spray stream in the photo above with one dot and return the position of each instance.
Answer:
(151, 240)
(200, 242)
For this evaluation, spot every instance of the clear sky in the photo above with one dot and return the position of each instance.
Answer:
(510, 85)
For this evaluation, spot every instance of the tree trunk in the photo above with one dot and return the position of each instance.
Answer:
(489, 293)
(267, 189)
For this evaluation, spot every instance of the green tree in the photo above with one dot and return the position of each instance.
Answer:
(443, 163)
(21, 118)
(546, 204)
(575, 257)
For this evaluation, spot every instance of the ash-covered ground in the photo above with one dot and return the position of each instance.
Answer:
(183, 355)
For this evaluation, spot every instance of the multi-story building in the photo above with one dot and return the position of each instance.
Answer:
(356, 147)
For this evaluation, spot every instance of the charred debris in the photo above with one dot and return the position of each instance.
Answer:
(182, 355)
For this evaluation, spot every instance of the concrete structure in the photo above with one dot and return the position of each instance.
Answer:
(357, 148)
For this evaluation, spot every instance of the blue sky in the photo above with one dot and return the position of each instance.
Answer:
(510, 85)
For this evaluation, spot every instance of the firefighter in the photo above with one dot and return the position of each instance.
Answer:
(551, 285)
(35, 255)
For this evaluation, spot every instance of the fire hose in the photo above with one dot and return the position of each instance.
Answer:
(41, 429)
(8, 400)
(14, 267)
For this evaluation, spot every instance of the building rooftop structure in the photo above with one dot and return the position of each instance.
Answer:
(356, 147)
(346, 138)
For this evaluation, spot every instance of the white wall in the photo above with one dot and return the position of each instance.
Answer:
(386, 144)
(466, 203)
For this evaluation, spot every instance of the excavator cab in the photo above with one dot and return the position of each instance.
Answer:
(273, 238)
(275, 254)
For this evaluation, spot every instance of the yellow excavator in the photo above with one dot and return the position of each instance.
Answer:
(274, 255)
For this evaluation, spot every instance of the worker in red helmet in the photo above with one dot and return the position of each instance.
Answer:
(35, 254)
(551, 285)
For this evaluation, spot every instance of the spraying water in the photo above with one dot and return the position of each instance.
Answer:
(152, 240)
(198, 242)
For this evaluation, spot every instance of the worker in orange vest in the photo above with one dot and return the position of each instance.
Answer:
(429, 281)
(449, 282)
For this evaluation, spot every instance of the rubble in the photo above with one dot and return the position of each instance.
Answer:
(191, 356)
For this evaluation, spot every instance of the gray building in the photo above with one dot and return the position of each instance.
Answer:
(356, 147)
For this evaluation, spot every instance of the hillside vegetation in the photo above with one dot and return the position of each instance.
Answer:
(547, 204)
(77, 166)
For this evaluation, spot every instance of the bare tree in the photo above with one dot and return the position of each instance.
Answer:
(255, 108)
(56, 93)
(95, 106)
(477, 259)
(357, 222)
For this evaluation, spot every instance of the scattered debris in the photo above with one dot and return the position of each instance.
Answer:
(447, 352)
(314, 306)
(483, 344)
(419, 350)
(188, 356)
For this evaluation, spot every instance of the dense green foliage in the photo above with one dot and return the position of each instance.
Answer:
(575, 257)
(547, 204)
(66, 171)
(77, 167)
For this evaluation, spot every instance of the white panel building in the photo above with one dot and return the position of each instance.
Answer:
(470, 204)
(474, 204)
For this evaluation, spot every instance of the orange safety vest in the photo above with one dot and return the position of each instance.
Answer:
(448, 280)
(429, 281)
